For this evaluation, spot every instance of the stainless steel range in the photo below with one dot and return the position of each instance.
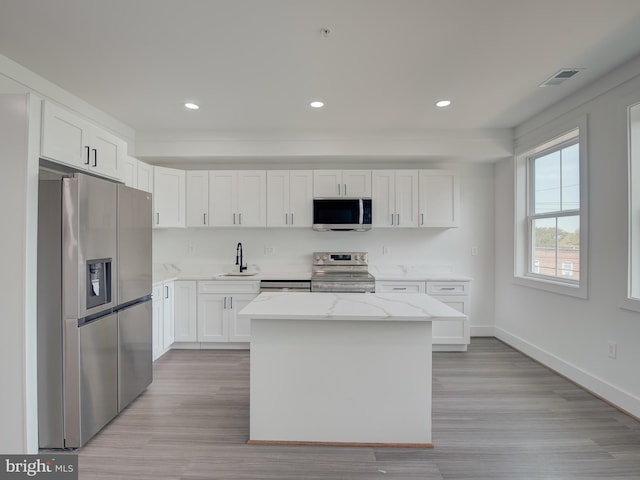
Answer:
(342, 272)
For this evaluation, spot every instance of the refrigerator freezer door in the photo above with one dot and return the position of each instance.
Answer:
(88, 234)
(134, 244)
(135, 364)
(91, 378)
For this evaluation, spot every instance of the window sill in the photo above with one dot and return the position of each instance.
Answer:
(578, 291)
(632, 304)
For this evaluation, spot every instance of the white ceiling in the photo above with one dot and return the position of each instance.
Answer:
(255, 64)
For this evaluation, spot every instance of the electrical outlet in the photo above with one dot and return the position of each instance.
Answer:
(613, 349)
(386, 250)
(269, 250)
(189, 247)
(474, 251)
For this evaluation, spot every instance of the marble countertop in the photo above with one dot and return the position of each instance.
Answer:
(165, 272)
(349, 306)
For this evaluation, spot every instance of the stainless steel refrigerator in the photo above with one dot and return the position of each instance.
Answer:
(94, 304)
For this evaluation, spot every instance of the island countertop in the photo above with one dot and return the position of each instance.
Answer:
(349, 306)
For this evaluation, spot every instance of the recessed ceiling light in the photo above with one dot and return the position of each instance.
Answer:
(316, 104)
(443, 103)
(192, 106)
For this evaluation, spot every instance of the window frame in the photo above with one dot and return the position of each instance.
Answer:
(549, 137)
(532, 216)
(632, 300)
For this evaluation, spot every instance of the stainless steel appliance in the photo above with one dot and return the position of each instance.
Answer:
(342, 214)
(94, 311)
(341, 272)
(285, 286)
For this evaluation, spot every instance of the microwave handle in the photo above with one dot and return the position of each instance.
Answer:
(361, 216)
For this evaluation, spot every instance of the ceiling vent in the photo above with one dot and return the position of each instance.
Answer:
(560, 77)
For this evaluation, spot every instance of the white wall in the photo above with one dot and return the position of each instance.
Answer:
(432, 247)
(567, 333)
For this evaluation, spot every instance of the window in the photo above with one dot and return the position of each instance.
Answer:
(633, 119)
(554, 211)
(550, 214)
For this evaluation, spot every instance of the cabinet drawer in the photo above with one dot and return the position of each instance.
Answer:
(400, 287)
(228, 287)
(448, 288)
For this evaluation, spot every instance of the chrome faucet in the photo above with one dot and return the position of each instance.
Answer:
(239, 258)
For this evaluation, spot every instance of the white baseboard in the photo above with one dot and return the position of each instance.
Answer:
(483, 331)
(621, 399)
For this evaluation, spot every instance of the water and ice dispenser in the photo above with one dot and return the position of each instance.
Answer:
(98, 282)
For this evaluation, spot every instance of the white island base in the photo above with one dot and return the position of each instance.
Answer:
(346, 369)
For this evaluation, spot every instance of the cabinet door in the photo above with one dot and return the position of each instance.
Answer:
(356, 183)
(452, 332)
(107, 153)
(184, 311)
(129, 172)
(239, 328)
(278, 198)
(213, 325)
(383, 194)
(197, 198)
(145, 177)
(300, 198)
(169, 197)
(252, 199)
(327, 183)
(222, 192)
(439, 198)
(168, 327)
(64, 137)
(406, 198)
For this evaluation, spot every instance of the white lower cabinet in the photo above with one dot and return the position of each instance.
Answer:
(156, 327)
(163, 318)
(168, 325)
(184, 310)
(218, 307)
(449, 335)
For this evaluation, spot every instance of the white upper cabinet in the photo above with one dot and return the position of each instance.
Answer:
(168, 197)
(395, 198)
(198, 198)
(342, 183)
(68, 139)
(238, 198)
(130, 172)
(222, 204)
(439, 199)
(289, 198)
(107, 153)
(252, 198)
(145, 177)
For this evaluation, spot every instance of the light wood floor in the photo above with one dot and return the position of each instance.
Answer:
(496, 415)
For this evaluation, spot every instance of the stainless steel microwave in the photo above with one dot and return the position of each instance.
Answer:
(342, 214)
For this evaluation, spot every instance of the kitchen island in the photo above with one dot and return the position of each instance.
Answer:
(342, 368)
